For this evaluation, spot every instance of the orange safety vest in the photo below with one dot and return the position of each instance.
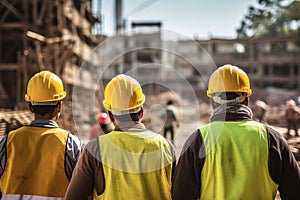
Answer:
(35, 166)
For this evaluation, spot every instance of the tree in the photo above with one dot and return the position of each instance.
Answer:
(271, 17)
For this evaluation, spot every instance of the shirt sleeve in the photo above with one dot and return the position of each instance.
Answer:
(72, 154)
(283, 166)
(173, 162)
(188, 169)
(87, 175)
(3, 156)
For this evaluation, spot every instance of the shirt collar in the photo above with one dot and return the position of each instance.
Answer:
(130, 127)
(231, 112)
(44, 123)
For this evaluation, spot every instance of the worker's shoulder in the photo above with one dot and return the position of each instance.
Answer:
(54, 131)
(274, 134)
(155, 136)
(60, 130)
(27, 128)
(244, 122)
(19, 130)
(22, 128)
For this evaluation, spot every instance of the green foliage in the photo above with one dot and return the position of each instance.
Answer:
(271, 17)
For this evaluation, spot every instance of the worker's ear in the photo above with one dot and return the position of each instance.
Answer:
(142, 113)
(30, 107)
(59, 106)
(246, 102)
(111, 116)
(57, 110)
(213, 104)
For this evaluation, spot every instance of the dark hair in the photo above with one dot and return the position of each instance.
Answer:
(229, 96)
(104, 126)
(129, 117)
(170, 102)
(44, 110)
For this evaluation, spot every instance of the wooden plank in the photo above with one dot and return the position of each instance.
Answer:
(12, 9)
(8, 66)
(39, 54)
(4, 15)
(25, 9)
(18, 89)
(34, 12)
(12, 25)
(42, 12)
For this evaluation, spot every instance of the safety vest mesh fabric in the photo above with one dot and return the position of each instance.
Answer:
(136, 165)
(35, 162)
(236, 163)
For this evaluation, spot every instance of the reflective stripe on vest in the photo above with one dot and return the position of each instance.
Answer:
(236, 164)
(35, 162)
(136, 165)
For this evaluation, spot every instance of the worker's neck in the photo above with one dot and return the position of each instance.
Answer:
(125, 126)
(44, 117)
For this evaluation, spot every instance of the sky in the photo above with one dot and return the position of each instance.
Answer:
(191, 18)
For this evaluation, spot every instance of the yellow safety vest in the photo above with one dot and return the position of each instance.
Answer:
(236, 163)
(35, 163)
(136, 165)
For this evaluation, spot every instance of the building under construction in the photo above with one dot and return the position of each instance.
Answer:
(36, 35)
(270, 61)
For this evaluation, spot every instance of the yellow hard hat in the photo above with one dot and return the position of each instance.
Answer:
(123, 93)
(45, 86)
(229, 78)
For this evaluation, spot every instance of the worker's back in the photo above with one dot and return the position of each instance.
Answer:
(236, 162)
(136, 165)
(36, 162)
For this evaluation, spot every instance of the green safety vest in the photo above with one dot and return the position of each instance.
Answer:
(136, 165)
(236, 162)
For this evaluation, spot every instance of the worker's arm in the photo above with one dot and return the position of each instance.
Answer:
(171, 175)
(73, 151)
(2, 158)
(3, 155)
(87, 175)
(283, 167)
(187, 178)
(297, 110)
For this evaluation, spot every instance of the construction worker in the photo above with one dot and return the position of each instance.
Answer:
(37, 160)
(291, 114)
(171, 115)
(104, 126)
(260, 110)
(130, 162)
(233, 156)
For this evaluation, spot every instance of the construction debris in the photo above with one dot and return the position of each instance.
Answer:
(10, 120)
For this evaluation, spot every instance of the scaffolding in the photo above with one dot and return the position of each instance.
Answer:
(54, 35)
